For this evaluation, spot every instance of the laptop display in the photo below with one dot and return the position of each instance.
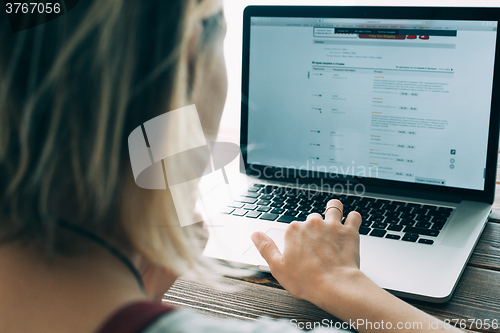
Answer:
(405, 100)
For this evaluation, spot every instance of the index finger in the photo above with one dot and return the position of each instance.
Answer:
(334, 211)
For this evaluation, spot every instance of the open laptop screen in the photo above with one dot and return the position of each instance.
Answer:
(402, 100)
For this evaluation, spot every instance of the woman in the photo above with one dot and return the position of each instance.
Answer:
(82, 248)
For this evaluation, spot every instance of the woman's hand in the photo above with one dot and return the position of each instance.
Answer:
(317, 252)
(320, 263)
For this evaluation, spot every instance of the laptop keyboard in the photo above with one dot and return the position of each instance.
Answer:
(396, 220)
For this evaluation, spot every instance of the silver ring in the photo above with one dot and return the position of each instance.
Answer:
(340, 210)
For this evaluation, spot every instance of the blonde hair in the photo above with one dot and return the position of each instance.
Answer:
(71, 92)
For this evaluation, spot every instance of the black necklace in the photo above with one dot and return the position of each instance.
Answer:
(110, 248)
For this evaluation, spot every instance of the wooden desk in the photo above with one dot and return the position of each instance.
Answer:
(477, 295)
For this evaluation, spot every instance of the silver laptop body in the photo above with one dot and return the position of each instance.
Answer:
(384, 108)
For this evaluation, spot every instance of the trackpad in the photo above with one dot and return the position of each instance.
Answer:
(253, 255)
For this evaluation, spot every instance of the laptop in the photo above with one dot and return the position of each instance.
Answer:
(392, 110)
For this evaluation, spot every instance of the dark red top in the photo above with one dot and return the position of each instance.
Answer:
(134, 317)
